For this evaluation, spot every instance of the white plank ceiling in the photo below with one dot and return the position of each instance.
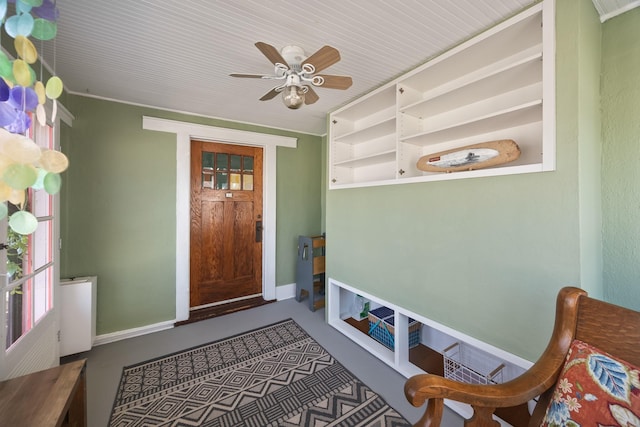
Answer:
(612, 8)
(178, 55)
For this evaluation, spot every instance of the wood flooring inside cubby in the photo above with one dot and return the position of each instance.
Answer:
(422, 356)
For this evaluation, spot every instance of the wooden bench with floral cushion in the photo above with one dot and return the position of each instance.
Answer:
(587, 376)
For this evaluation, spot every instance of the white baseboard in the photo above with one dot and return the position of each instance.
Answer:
(285, 291)
(135, 332)
(282, 292)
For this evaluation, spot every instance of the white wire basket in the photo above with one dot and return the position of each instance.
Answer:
(467, 364)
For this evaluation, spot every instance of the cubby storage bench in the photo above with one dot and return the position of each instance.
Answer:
(498, 85)
(436, 343)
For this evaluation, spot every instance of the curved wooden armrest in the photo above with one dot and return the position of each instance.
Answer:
(419, 388)
(486, 398)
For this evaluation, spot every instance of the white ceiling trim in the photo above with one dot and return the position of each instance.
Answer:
(608, 9)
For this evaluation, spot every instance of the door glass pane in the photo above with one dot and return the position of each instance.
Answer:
(42, 298)
(42, 203)
(207, 179)
(232, 171)
(248, 164)
(19, 317)
(207, 160)
(207, 169)
(41, 244)
(221, 181)
(235, 181)
(17, 255)
(247, 182)
(222, 162)
(236, 163)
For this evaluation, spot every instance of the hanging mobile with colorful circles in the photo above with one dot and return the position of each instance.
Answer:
(23, 164)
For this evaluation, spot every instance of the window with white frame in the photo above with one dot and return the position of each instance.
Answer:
(30, 258)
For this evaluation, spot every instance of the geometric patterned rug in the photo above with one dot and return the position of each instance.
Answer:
(273, 376)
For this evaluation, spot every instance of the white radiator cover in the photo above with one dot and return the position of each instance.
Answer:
(77, 314)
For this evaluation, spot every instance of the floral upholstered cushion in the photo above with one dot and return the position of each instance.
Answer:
(595, 389)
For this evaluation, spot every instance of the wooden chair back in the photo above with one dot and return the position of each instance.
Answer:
(611, 328)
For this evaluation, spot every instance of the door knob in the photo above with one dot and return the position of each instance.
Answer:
(258, 231)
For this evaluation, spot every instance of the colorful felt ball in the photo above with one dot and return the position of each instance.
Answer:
(41, 115)
(53, 161)
(54, 87)
(43, 29)
(5, 162)
(5, 90)
(21, 123)
(21, 149)
(22, 73)
(19, 24)
(23, 98)
(3, 9)
(38, 87)
(23, 6)
(8, 114)
(17, 197)
(32, 3)
(19, 176)
(47, 10)
(6, 68)
(25, 49)
(5, 192)
(23, 222)
(52, 183)
(39, 184)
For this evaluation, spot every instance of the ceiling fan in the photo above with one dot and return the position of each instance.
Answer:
(298, 73)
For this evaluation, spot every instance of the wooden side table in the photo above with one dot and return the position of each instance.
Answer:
(53, 397)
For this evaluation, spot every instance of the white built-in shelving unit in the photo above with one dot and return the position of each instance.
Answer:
(498, 85)
(435, 339)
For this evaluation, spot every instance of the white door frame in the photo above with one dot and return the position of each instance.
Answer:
(185, 132)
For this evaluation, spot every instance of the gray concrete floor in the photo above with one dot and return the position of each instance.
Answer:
(105, 362)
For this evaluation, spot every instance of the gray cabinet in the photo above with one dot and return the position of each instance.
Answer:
(310, 270)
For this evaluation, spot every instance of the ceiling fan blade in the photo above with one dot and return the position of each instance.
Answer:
(335, 82)
(325, 57)
(271, 53)
(258, 76)
(271, 94)
(249, 76)
(311, 96)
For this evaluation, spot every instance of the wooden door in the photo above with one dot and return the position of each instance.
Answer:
(226, 222)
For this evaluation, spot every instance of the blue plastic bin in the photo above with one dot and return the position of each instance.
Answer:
(381, 328)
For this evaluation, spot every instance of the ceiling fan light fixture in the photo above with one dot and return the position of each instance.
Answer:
(293, 97)
(297, 70)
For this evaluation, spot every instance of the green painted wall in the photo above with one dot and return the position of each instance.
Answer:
(621, 158)
(299, 209)
(589, 60)
(118, 208)
(485, 256)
